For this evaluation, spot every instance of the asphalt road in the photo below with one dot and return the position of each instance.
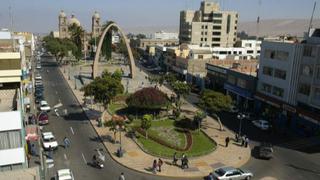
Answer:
(77, 128)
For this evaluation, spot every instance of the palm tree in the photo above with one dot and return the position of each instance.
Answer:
(76, 35)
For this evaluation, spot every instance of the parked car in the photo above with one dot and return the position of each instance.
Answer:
(64, 174)
(262, 124)
(225, 173)
(38, 99)
(38, 77)
(49, 140)
(38, 66)
(43, 118)
(44, 106)
(265, 151)
(38, 93)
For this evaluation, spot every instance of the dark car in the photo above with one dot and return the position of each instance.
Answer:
(265, 151)
(38, 99)
(38, 93)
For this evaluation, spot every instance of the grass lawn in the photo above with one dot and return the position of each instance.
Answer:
(201, 143)
(113, 108)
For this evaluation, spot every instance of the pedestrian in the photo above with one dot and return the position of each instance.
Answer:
(246, 142)
(50, 152)
(28, 158)
(160, 162)
(121, 177)
(65, 112)
(154, 167)
(186, 161)
(227, 141)
(33, 150)
(66, 142)
(183, 161)
(210, 177)
(243, 139)
(175, 159)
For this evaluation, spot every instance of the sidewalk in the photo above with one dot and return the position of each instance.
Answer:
(136, 159)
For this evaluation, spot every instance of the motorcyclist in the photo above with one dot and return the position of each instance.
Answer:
(94, 159)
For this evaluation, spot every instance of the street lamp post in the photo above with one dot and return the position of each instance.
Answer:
(240, 116)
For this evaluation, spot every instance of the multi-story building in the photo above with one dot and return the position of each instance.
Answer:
(208, 26)
(164, 35)
(288, 87)
(143, 43)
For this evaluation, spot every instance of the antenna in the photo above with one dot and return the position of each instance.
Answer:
(311, 19)
(11, 28)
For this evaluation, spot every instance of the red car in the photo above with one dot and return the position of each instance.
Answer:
(43, 118)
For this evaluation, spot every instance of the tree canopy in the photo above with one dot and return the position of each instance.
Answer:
(215, 102)
(76, 32)
(181, 88)
(59, 48)
(148, 98)
(146, 123)
(104, 88)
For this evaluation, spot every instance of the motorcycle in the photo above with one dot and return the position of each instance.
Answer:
(98, 164)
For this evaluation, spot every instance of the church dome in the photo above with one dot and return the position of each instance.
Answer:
(96, 15)
(62, 14)
(74, 20)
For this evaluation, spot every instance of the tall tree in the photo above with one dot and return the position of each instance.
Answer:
(146, 123)
(181, 89)
(76, 36)
(215, 102)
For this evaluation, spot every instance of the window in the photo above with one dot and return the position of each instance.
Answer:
(201, 39)
(218, 15)
(281, 55)
(307, 70)
(231, 79)
(201, 33)
(205, 33)
(267, 71)
(217, 21)
(215, 39)
(216, 27)
(269, 54)
(309, 51)
(215, 45)
(216, 33)
(318, 72)
(304, 89)
(202, 27)
(316, 94)
(266, 88)
(206, 27)
(280, 74)
(205, 39)
(250, 52)
(278, 91)
(242, 83)
(228, 24)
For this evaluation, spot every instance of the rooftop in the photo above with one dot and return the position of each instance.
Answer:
(10, 121)
(7, 99)
(9, 55)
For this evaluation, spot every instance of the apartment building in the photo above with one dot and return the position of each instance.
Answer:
(209, 26)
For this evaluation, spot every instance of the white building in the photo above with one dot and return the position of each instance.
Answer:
(164, 35)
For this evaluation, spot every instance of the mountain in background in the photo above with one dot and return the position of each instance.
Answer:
(272, 27)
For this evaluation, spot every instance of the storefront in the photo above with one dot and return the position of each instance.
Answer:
(243, 97)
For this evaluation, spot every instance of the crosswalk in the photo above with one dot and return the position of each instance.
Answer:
(301, 143)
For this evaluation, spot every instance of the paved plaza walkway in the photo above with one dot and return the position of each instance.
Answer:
(136, 159)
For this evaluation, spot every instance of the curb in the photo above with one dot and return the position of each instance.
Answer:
(110, 153)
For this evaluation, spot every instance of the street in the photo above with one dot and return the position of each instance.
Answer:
(77, 128)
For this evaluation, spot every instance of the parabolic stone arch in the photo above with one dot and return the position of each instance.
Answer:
(97, 56)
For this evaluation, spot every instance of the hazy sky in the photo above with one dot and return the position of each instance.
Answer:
(42, 15)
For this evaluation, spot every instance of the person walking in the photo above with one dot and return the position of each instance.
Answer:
(33, 150)
(243, 139)
(186, 161)
(183, 161)
(50, 153)
(227, 141)
(210, 177)
(160, 163)
(175, 159)
(246, 142)
(154, 166)
(66, 142)
(121, 177)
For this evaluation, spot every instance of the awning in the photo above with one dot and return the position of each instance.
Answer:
(32, 132)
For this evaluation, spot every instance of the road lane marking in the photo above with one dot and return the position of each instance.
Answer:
(72, 130)
(84, 159)
(65, 156)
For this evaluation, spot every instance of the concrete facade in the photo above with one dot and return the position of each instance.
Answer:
(143, 43)
(208, 26)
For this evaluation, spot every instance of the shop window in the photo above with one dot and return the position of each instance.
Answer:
(278, 91)
(280, 74)
(304, 89)
(267, 71)
(266, 87)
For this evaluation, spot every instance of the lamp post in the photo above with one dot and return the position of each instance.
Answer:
(240, 116)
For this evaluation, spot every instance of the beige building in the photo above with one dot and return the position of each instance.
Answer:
(208, 26)
(143, 43)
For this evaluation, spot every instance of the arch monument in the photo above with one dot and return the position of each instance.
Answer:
(97, 55)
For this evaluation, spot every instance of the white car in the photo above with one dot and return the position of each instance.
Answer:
(44, 106)
(38, 77)
(262, 124)
(38, 66)
(49, 140)
(64, 174)
(227, 173)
